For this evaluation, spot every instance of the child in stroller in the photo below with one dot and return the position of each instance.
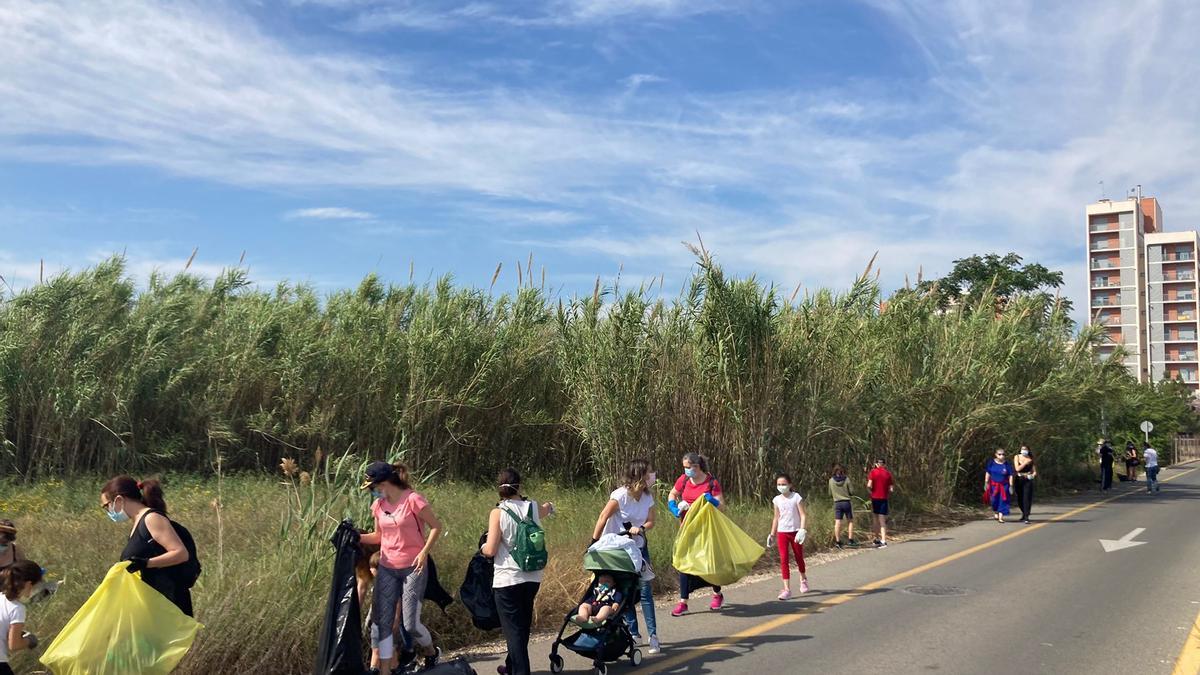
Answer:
(615, 587)
(601, 604)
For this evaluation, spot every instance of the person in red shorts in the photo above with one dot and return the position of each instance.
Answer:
(881, 485)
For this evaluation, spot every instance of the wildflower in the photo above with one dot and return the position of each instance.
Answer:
(305, 478)
(289, 467)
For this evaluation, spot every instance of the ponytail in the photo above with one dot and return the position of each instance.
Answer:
(148, 492)
(14, 578)
(400, 477)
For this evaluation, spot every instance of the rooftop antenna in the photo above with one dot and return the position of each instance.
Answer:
(1102, 195)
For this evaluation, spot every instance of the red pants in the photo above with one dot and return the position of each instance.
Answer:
(784, 540)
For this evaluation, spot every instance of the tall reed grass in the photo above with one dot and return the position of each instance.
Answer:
(99, 376)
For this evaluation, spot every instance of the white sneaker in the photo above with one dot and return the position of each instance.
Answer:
(654, 646)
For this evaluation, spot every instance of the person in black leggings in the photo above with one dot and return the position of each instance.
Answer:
(1026, 472)
(153, 547)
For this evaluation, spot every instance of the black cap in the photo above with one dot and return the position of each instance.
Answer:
(377, 472)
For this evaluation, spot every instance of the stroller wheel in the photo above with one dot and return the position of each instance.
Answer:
(636, 657)
(601, 669)
(556, 663)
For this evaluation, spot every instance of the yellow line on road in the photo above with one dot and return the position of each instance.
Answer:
(786, 619)
(1188, 662)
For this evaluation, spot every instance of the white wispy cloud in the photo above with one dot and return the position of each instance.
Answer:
(1017, 116)
(328, 213)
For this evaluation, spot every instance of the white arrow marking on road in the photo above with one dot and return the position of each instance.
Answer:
(1111, 545)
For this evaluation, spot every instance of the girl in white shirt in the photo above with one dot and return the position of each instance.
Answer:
(17, 584)
(631, 508)
(513, 588)
(788, 532)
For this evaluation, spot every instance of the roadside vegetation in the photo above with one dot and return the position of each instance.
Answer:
(215, 382)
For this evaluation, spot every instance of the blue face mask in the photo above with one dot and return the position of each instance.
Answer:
(689, 472)
(3, 548)
(377, 494)
(118, 516)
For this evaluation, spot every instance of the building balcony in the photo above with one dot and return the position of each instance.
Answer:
(1106, 302)
(1104, 246)
(1180, 337)
(1179, 277)
(1104, 264)
(1181, 317)
(1181, 298)
(1182, 358)
(1179, 257)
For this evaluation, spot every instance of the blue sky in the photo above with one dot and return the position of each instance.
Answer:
(331, 138)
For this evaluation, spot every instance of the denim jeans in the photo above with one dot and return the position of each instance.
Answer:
(1151, 478)
(647, 603)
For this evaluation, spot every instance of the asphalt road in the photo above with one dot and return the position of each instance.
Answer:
(980, 598)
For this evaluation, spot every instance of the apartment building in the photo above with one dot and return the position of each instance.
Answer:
(1143, 289)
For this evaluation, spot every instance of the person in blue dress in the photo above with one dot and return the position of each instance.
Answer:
(998, 485)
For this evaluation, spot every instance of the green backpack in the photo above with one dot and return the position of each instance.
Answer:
(529, 546)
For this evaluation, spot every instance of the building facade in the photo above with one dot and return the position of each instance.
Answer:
(1142, 288)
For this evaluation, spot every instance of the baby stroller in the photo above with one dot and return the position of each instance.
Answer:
(610, 641)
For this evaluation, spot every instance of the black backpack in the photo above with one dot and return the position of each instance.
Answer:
(186, 573)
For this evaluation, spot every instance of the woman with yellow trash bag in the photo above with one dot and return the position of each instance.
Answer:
(134, 623)
(709, 550)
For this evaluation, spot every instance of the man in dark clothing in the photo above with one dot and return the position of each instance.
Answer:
(1106, 465)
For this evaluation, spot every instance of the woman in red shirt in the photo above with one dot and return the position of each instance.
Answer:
(695, 484)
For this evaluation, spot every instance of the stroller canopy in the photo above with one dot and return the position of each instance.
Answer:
(612, 560)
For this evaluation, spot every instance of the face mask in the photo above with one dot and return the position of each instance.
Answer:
(603, 587)
(689, 472)
(1025, 453)
(116, 516)
(651, 479)
(783, 489)
(3, 548)
(377, 494)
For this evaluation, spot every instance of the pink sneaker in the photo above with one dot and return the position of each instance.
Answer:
(680, 609)
(717, 601)
(804, 585)
(786, 594)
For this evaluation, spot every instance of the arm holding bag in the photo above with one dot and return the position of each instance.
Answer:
(712, 547)
(125, 627)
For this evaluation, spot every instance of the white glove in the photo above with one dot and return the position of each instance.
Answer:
(770, 540)
(800, 535)
(683, 506)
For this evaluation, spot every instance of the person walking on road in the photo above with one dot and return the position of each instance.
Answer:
(1106, 464)
(406, 528)
(1131, 461)
(843, 509)
(514, 587)
(881, 485)
(998, 485)
(788, 532)
(1150, 455)
(696, 483)
(630, 509)
(1026, 471)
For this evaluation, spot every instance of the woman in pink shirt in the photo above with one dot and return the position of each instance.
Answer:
(405, 530)
(695, 484)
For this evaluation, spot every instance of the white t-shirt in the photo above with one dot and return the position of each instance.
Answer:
(789, 515)
(10, 613)
(629, 511)
(1151, 457)
(508, 573)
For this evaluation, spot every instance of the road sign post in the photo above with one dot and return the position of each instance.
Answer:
(1147, 426)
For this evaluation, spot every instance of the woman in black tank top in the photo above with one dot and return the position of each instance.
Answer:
(154, 548)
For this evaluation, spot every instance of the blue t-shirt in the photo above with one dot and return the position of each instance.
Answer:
(999, 471)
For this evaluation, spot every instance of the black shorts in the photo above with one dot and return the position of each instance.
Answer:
(879, 507)
(843, 509)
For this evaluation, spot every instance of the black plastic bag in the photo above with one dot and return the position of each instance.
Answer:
(455, 666)
(340, 644)
(434, 591)
(476, 591)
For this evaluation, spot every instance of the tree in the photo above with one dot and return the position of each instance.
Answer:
(1005, 276)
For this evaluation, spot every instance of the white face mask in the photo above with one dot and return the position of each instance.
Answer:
(1024, 453)
(783, 489)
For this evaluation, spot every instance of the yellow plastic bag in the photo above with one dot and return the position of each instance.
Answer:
(712, 547)
(125, 627)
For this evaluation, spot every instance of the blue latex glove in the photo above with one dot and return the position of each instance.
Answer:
(673, 506)
(711, 499)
